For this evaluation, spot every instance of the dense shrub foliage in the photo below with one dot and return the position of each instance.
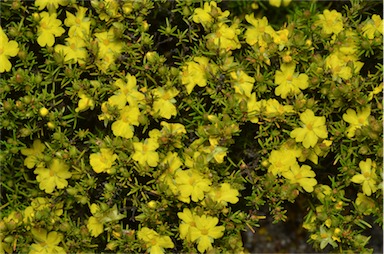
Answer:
(167, 126)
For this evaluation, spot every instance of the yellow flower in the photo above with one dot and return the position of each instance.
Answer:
(373, 27)
(367, 177)
(320, 149)
(40, 204)
(79, 25)
(192, 184)
(102, 161)
(109, 48)
(281, 38)
(164, 102)
(365, 204)
(225, 37)
(111, 9)
(330, 21)
(154, 242)
(145, 153)
(195, 73)
(46, 243)
(108, 43)
(206, 231)
(339, 65)
(188, 222)
(53, 177)
(94, 224)
(49, 28)
(34, 155)
(322, 191)
(377, 90)
(302, 175)
(254, 108)
(274, 108)
(256, 33)
(127, 92)
(123, 127)
(73, 50)
(85, 103)
(51, 5)
(313, 129)
(206, 16)
(170, 164)
(290, 83)
(171, 134)
(224, 194)
(173, 129)
(215, 152)
(277, 3)
(243, 84)
(356, 120)
(281, 160)
(7, 49)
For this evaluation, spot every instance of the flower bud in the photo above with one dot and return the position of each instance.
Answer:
(152, 204)
(51, 125)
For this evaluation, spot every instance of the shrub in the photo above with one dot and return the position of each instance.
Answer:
(167, 126)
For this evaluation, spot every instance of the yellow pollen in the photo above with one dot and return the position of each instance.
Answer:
(78, 21)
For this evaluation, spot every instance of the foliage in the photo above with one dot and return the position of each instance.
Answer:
(159, 126)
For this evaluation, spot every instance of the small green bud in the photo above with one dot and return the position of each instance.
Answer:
(82, 199)
(8, 239)
(14, 150)
(13, 31)
(27, 99)
(71, 191)
(29, 35)
(24, 132)
(5, 123)
(15, 5)
(38, 78)
(109, 187)
(364, 150)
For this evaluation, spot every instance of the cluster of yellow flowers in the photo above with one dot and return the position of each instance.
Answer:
(168, 131)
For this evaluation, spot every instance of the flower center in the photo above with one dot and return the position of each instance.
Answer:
(204, 231)
(44, 25)
(361, 120)
(192, 181)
